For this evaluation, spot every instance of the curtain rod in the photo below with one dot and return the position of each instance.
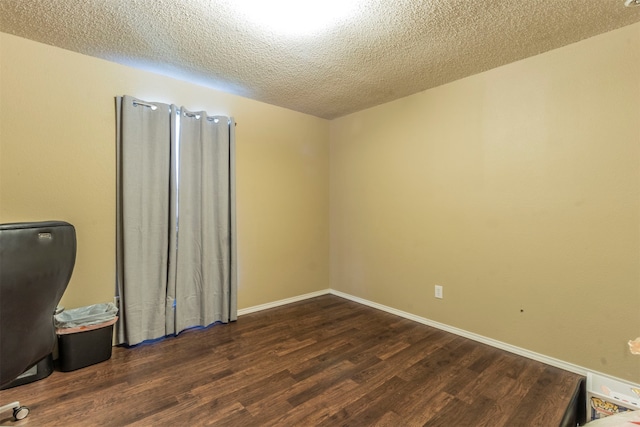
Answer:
(186, 113)
(197, 116)
(144, 104)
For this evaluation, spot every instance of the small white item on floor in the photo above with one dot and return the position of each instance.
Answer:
(623, 419)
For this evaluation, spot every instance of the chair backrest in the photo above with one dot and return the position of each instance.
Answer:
(36, 263)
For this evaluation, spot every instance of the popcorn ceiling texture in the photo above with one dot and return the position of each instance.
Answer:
(390, 49)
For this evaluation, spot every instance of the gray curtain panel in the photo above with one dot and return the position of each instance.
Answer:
(191, 279)
(204, 241)
(144, 161)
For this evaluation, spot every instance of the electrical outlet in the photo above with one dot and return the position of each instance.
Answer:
(438, 291)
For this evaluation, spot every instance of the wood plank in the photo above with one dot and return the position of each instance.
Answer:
(324, 361)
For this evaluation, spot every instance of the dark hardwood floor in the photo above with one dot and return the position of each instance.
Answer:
(325, 361)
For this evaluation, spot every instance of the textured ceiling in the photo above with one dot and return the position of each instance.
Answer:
(388, 48)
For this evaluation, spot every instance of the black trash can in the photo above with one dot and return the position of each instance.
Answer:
(85, 336)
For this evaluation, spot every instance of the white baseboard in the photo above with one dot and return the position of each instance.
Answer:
(285, 301)
(470, 335)
(460, 332)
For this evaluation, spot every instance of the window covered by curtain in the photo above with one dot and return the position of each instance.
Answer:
(176, 232)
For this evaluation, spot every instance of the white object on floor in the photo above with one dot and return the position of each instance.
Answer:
(623, 419)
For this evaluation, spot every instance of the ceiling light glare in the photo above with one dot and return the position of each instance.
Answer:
(296, 17)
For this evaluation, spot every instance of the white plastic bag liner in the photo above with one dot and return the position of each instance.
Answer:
(85, 316)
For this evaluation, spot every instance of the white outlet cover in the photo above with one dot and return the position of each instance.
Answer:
(438, 293)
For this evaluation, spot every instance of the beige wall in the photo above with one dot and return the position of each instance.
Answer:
(57, 161)
(517, 189)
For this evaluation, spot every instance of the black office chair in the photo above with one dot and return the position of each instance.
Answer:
(36, 263)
